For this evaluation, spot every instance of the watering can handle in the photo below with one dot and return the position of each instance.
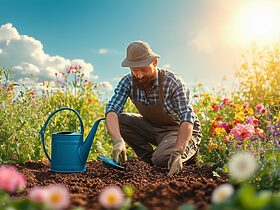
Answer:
(42, 131)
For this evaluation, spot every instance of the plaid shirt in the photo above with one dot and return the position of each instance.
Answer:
(177, 102)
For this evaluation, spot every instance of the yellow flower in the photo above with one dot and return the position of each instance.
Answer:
(218, 131)
(222, 147)
(199, 85)
(250, 111)
(239, 116)
(277, 118)
(206, 95)
(212, 146)
(239, 107)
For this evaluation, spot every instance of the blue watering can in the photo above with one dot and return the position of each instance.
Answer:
(69, 152)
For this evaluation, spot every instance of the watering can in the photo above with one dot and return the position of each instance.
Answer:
(69, 152)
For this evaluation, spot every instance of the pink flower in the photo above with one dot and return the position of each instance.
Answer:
(225, 100)
(224, 125)
(259, 107)
(54, 196)
(263, 110)
(38, 194)
(246, 105)
(260, 132)
(111, 197)
(243, 132)
(11, 180)
(252, 121)
(57, 197)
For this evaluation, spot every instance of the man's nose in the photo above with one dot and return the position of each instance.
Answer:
(139, 75)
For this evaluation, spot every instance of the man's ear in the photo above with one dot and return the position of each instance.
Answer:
(155, 62)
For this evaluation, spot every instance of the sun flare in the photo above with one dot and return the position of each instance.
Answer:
(257, 22)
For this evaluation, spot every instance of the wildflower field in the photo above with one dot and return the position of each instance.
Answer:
(238, 166)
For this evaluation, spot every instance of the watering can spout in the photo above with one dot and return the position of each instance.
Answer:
(86, 145)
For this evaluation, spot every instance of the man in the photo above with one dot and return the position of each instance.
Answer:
(166, 118)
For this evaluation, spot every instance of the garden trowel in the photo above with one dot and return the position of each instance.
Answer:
(110, 162)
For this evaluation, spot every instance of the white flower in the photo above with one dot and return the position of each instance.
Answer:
(242, 166)
(111, 197)
(58, 197)
(221, 193)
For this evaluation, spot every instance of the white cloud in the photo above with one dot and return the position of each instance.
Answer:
(104, 51)
(107, 85)
(8, 32)
(203, 41)
(25, 55)
(166, 66)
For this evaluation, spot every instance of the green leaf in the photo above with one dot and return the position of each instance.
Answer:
(187, 207)
(214, 173)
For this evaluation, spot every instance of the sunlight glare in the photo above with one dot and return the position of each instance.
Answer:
(257, 23)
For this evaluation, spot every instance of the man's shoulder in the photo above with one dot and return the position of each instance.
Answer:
(172, 77)
(126, 78)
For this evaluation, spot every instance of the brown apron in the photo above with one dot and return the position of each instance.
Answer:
(155, 114)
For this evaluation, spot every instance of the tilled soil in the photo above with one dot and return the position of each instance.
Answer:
(194, 185)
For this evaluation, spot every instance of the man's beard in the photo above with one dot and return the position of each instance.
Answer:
(145, 83)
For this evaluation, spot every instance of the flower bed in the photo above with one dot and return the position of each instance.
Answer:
(151, 185)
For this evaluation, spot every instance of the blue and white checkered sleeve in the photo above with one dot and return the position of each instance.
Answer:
(182, 103)
(121, 93)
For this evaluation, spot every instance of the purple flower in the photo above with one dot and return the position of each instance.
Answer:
(254, 138)
(276, 133)
(277, 142)
(240, 144)
(270, 117)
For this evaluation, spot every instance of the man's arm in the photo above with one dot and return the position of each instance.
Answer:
(112, 124)
(184, 136)
(184, 109)
(113, 109)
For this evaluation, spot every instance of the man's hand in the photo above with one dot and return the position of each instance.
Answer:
(175, 164)
(119, 148)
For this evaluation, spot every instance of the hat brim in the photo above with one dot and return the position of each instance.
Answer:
(139, 64)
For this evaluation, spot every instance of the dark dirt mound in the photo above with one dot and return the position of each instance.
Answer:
(194, 185)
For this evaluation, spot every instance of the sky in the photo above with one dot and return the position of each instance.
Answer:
(200, 40)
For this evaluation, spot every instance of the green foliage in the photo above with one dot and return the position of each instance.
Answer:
(7, 202)
(268, 176)
(22, 116)
(259, 76)
(247, 198)
(128, 203)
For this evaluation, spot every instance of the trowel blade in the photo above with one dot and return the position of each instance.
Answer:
(110, 162)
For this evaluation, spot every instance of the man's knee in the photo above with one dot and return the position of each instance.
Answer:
(129, 119)
(160, 159)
